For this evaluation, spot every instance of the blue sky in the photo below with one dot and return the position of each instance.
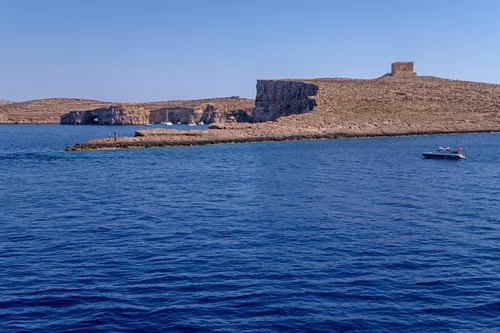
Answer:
(147, 50)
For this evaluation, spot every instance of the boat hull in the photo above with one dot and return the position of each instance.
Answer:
(444, 156)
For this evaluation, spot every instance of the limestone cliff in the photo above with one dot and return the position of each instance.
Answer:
(278, 98)
(128, 114)
(51, 110)
(213, 113)
(213, 110)
(110, 115)
(174, 114)
(207, 113)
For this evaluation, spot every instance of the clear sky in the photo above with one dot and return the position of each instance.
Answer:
(148, 50)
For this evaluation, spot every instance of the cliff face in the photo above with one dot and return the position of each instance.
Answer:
(282, 98)
(207, 113)
(111, 115)
(173, 114)
(128, 114)
(212, 113)
(51, 110)
(214, 110)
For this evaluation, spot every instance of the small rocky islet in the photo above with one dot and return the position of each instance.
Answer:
(398, 103)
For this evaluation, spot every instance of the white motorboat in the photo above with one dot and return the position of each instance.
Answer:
(446, 153)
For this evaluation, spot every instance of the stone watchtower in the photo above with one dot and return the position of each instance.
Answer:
(402, 69)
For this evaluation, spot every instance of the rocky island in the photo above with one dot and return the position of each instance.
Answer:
(398, 103)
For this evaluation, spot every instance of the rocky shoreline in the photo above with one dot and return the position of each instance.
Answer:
(162, 138)
(341, 108)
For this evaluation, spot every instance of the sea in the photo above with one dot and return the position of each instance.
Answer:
(346, 235)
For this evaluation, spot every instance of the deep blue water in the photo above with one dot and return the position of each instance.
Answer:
(317, 236)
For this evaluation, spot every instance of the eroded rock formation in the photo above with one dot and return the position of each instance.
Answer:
(128, 114)
(207, 113)
(279, 98)
(213, 114)
(172, 114)
(51, 110)
(110, 115)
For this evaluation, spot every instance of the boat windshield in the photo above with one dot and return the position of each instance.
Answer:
(448, 150)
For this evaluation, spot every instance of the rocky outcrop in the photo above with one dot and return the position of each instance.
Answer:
(207, 113)
(239, 116)
(173, 114)
(385, 106)
(110, 115)
(50, 110)
(128, 114)
(3, 102)
(213, 114)
(281, 98)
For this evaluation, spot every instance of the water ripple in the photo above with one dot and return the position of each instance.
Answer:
(314, 236)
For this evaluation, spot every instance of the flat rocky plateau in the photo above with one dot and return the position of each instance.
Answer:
(43, 111)
(50, 110)
(385, 106)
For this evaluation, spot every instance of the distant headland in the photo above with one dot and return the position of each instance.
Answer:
(397, 103)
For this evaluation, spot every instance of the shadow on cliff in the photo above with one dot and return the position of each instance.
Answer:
(277, 99)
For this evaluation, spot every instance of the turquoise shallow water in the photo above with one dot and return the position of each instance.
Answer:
(328, 235)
